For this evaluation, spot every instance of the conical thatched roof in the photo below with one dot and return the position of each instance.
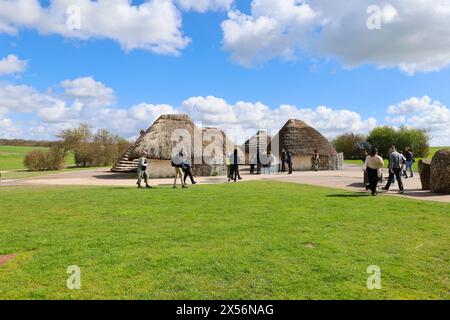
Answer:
(301, 139)
(210, 140)
(261, 140)
(157, 141)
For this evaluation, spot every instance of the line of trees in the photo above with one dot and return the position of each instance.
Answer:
(26, 143)
(90, 149)
(353, 145)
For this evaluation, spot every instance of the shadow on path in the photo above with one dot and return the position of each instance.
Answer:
(358, 195)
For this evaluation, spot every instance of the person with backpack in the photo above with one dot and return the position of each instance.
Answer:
(177, 164)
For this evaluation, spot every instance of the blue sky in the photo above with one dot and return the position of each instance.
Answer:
(207, 67)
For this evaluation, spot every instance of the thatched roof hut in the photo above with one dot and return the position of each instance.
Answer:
(259, 143)
(159, 140)
(302, 140)
(171, 134)
(261, 140)
(299, 138)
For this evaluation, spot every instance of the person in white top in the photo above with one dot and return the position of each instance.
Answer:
(273, 163)
(373, 165)
(142, 170)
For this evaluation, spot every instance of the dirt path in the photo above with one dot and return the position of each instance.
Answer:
(348, 179)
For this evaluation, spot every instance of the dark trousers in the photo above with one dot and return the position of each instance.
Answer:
(283, 166)
(234, 174)
(397, 174)
(372, 175)
(252, 169)
(188, 172)
(290, 167)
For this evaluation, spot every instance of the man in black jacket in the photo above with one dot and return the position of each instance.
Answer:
(289, 161)
(283, 160)
(234, 174)
(187, 168)
(409, 161)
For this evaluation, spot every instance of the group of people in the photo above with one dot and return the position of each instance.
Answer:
(180, 163)
(398, 166)
(183, 168)
(272, 165)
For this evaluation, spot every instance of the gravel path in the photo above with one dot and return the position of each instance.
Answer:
(348, 179)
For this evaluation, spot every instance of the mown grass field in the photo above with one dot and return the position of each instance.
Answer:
(432, 152)
(252, 240)
(11, 162)
(11, 157)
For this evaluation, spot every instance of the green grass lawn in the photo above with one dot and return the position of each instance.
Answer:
(432, 152)
(253, 240)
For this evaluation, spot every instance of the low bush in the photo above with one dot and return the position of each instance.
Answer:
(38, 160)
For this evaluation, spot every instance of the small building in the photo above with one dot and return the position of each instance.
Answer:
(302, 140)
(173, 133)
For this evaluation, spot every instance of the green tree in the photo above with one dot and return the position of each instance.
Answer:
(405, 137)
(350, 144)
(98, 149)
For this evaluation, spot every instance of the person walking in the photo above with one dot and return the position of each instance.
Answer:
(289, 161)
(142, 171)
(187, 169)
(403, 172)
(234, 175)
(372, 166)
(395, 168)
(366, 176)
(283, 160)
(177, 164)
(409, 161)
(252, 165)
(228, 164)
(316, 160)
(273, 163)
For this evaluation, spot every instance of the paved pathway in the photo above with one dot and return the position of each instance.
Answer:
(348, 179)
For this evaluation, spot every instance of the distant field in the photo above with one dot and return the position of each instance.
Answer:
(11, 157)
(432, 152)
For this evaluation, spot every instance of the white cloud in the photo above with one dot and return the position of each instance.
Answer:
(83, 100)
(204, 5)
(50, 113)
(423, 113)
(243, 119)
(11, 64)
(22, 99)
(154, 25)
(8, 129)
(89, 91)
(149, 112)
(414, 34)
(274, 29)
